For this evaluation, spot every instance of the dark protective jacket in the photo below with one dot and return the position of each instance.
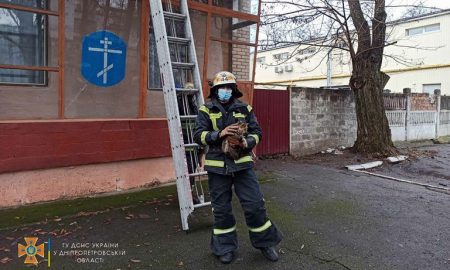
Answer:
(213, 118)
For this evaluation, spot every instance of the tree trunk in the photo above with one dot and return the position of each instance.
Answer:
(367, 83)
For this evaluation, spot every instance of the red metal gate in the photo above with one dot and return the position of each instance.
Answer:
(272, 110)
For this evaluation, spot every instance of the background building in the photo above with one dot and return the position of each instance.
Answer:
(419, 60)
(64, 136)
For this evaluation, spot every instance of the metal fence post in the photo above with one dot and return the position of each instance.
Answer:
(407, 92)
(437, 98)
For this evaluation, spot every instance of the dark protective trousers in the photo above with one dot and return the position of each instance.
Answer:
(262, 231)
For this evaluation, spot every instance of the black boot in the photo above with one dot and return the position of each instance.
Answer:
(226, 258)
(270, 253)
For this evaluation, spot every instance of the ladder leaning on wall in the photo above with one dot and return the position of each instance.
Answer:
(181, 83)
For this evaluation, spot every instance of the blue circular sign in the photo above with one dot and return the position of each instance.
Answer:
(103, 58)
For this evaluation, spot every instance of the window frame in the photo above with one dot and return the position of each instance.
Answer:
(281, 56)
(423, 29)
(60, 15)
(44, 56)
(431, 84)
(261, 60)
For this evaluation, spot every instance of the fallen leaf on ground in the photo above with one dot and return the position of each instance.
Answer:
(144, 216)
(57, 219)
(180, 263)
(5, 249)
(5, 260)
(82, 213)
(135, 260)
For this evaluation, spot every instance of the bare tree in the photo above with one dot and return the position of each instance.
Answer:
(368, 81)
(355, 26)
(418, 9)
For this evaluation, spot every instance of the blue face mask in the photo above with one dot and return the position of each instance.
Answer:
(224, 94)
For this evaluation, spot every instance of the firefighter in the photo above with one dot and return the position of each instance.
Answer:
(216, 120)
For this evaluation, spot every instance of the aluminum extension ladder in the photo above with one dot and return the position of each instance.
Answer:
(181, 83)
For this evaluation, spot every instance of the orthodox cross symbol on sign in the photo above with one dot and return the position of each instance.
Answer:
(103, 58)
(105, 51)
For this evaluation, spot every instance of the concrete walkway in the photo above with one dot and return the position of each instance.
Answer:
(331, 219)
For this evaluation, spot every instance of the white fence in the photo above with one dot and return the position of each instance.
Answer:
(422, 126)
(418, 125)
(397, 123)
(444, 125)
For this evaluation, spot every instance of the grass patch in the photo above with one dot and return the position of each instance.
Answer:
(42, 211)
(266, 177)
(331, 208)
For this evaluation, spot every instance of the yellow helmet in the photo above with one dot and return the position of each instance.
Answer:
(223, 77)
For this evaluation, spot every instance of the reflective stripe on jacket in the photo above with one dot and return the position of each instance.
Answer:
(211, 119)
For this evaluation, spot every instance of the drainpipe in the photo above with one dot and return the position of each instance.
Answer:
(407, 92)
(437, 96)
(329, 68)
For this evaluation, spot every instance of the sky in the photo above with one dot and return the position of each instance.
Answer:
(397, 12)
(437, 3)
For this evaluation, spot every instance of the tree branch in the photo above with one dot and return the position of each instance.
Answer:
(361, 25)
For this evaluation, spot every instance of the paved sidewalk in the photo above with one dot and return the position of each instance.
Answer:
(331, 219)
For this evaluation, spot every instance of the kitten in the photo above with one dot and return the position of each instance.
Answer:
(230, 145)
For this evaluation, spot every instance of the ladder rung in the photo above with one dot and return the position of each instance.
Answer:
(188, 145)
(178, 40)
(198, 174)
(202, 204)
(188, 117)
(186, 91)
(175, 16)
(182, 65)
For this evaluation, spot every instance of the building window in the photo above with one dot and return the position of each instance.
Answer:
(309, 50)
(423, 29)
(23, 37)
(118, 4)
(429, 88)
(281, 56)
(154, 76)
(246, 6)
(261, 60)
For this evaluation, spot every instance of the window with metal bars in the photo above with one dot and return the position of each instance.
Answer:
(23, 42)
